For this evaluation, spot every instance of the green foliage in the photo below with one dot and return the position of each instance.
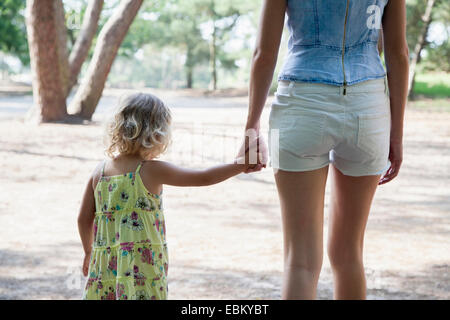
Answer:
(433, 85)
(181, 30)
(438, 55)
(438, 58)
(168, 23)
(74, 13)
(187, 25)
(13, 34)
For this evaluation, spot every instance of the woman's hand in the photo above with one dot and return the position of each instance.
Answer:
(253, 151)
(396, 158)
(86, 260)
(396, 56)
(265, 54)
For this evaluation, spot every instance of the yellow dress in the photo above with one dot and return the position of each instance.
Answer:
(129, 255)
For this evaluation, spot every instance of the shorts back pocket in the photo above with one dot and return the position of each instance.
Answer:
(374, 133)
(301, 133)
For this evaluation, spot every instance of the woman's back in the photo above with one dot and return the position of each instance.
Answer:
(129, 257)
(333, 42)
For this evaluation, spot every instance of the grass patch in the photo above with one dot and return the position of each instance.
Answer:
(433, 85)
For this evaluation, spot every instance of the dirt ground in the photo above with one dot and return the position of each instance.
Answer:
(225, 240)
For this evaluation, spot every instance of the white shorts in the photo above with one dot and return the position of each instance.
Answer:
(313, 124)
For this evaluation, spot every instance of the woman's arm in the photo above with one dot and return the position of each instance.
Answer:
(161, 172)
(263, 64)
(265, 58)
(396, 55)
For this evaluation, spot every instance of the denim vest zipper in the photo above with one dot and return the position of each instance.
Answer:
(343, 48)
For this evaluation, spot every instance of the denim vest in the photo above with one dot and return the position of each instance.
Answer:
(333, 41)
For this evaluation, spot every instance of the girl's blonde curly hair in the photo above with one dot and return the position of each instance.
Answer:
(140, 126)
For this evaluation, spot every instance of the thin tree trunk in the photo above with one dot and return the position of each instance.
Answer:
(108, 43)
(63, 54)
(48, 90)
(189, 67)
(84, 40)
(189, 77)
(213, 62)
(426, 19)
(213, 46)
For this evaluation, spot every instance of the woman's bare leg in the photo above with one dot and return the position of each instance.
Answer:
(302, 200)
(351, 198)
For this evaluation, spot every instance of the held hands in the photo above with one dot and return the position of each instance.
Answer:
(253, 152)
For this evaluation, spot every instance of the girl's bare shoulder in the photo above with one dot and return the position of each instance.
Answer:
(97, 173)
(156, 166)
(151, 173)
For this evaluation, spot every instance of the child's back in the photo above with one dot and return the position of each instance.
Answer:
(129, 256)
(126, 255)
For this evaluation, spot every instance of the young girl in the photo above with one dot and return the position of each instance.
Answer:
(121, 220)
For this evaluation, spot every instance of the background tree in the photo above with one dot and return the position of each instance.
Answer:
(178, 25)
(13, 33)
(48, 90)
(223, 19)
(172, 44)
(83, 42)
(54, 72)
(63, 55)
(108, 43)
(421, 17)
(200, 28)
(438, 57)
(185, 33)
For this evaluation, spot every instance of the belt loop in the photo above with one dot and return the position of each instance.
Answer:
(291, 86)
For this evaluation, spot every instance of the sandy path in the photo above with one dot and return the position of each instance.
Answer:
(224, 240)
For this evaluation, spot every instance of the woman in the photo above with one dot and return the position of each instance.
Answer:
(331, 106)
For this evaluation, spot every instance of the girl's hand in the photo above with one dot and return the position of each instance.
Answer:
(396, 158)
(86, 260)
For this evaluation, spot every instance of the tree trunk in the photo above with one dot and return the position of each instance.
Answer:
(426, 19)
(108, 43)
(84, 40)
(61, 29)
(48, 90)
(213, 62)
(189, 67)
(189, 77)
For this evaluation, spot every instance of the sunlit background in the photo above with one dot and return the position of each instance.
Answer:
(225, 240)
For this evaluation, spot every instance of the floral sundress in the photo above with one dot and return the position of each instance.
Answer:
(129, 255)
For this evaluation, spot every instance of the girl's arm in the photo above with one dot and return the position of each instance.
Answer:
(86, 222)
(161, 172)
(264, 58)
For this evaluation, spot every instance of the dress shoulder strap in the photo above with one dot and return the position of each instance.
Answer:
(138, 169)
(103, 168)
